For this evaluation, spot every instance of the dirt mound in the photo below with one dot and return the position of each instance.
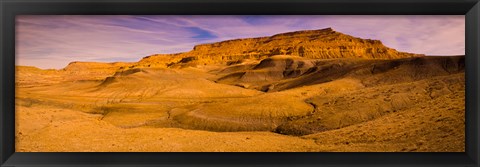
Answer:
(128, 72)
(119, 75)
(269, 70)
(242, 114)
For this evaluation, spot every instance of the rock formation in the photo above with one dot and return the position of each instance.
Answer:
(314, 44)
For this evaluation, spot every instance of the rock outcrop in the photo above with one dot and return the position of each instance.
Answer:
(313, 44)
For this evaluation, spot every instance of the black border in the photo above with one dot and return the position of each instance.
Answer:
(10, 8)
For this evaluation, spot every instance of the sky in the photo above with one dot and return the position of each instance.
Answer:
(53, 41)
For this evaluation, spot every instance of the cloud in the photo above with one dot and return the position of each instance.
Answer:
(201, 33)
(54, 41)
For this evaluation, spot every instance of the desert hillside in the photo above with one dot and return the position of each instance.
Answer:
(317, 90)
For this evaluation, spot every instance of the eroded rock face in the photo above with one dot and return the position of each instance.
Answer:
(314, 44)
(279, 73)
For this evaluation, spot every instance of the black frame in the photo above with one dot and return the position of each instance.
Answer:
(10, 8)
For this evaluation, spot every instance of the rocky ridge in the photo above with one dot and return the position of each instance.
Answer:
(313, 44)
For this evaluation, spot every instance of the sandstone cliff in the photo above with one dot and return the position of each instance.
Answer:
(315, 44)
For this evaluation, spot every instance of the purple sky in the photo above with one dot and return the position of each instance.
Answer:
(54, 41)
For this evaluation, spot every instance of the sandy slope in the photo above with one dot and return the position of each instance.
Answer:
(48, 129)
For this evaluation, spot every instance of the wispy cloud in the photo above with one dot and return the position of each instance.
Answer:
(54, 41)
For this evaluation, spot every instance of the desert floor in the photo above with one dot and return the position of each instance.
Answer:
(229, 109)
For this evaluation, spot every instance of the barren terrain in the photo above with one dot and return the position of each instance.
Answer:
(307, 91)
